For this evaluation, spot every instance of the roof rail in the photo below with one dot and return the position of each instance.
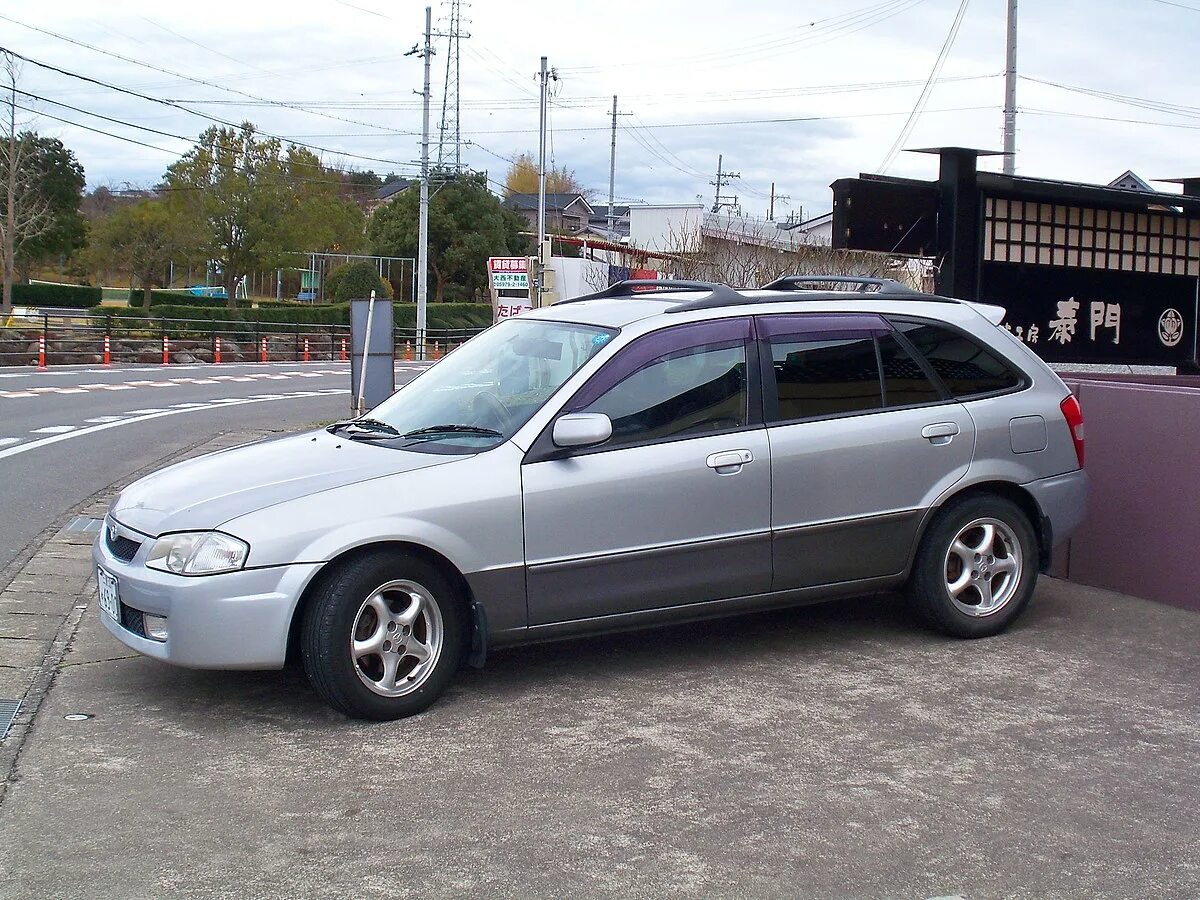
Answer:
(649, 287)
(802, 282)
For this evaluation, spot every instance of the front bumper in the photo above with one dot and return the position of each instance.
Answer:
(238, 620)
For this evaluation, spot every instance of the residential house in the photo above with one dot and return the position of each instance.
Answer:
(565, 213)
(388, 193)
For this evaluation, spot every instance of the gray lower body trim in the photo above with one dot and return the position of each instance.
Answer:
(649, 579)
(648, 618)
(847, 550)
(501, 592)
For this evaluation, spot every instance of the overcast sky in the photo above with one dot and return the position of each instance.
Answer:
(694, 80)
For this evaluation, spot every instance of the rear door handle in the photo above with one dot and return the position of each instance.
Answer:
(940, 433)
(729, 461)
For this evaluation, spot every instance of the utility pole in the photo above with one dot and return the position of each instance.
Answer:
(724, 200)
(423, 218)
(541, 210)
(782, 198)
(1010, 93)
(612, 170)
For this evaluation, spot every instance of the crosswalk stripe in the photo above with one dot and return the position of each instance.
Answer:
(54, 429)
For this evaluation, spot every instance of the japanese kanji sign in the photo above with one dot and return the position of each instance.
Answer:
(509, 273)
(1094, 315)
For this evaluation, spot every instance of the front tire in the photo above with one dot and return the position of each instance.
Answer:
(976, 567)
(382, 636)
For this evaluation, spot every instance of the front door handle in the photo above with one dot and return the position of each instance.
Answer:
(729, 461)
(941, 433)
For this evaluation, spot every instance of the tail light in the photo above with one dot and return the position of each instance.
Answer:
(1074, 415)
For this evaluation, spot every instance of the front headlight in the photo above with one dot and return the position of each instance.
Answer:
(198, 553)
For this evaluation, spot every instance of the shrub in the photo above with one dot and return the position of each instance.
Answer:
(354, 281)
(70, 296)
(177, 298)
(444, 315)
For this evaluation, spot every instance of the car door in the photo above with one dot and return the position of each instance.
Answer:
(863, 440)
(675, 507)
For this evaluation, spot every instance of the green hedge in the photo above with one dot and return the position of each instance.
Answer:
(445, 315)
(176, 298)
(72, 296)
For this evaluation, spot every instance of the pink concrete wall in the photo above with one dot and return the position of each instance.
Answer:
(1142, 534)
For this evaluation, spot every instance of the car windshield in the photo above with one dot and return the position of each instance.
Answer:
(479, 395)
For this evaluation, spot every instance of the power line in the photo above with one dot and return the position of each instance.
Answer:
(814, 33)
(911, 121)
(1033, 111)
(1177, 109)
(174, 105)
(290, 179)
(194, 80)
(1178, 5)
(788, 120)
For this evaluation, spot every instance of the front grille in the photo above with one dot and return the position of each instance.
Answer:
(131, 620)
(122, 548)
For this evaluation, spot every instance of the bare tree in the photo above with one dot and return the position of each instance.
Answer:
(750, 256)
(27, 213)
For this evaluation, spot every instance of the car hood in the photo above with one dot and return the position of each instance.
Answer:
(205, 492)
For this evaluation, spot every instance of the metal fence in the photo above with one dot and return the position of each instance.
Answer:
(64, 338)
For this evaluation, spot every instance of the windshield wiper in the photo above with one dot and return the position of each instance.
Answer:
(369, 426)
(453, 429)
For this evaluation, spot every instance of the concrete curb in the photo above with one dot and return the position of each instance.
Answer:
(44, 594)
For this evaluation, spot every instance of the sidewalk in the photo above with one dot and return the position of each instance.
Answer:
(42, 605)
(833, 750)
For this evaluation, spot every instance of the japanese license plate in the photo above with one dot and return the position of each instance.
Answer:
(110, 597)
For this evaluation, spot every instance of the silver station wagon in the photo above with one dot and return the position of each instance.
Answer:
(655, 452)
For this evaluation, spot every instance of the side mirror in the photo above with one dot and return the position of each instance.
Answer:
(582, 430)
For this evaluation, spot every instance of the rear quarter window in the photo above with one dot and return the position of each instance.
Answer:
(965, 366)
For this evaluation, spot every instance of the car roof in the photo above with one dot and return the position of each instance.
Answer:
(615, 309)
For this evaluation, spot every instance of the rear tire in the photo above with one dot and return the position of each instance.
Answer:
(382, 636)
(976, 567)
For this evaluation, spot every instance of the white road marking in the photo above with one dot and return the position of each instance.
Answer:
(187, 405)
(146, 412)
(44, 442)
(71, 371)
(12, 395)
(54, 429)
(101, 419)
(4, 442)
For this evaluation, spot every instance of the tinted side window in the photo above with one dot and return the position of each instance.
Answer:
(669, 385)
(966, 368)
(825, 376)
(904, 381)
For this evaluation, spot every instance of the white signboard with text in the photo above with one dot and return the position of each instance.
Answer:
(508, 277)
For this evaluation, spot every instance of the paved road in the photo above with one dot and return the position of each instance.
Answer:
(67, 432)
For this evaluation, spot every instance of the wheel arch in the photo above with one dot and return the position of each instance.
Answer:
(1018, 495)
(473, 611)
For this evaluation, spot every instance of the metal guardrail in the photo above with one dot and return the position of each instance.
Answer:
(63, 338)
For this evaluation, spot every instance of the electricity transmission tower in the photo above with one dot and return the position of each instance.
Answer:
(449, 131)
